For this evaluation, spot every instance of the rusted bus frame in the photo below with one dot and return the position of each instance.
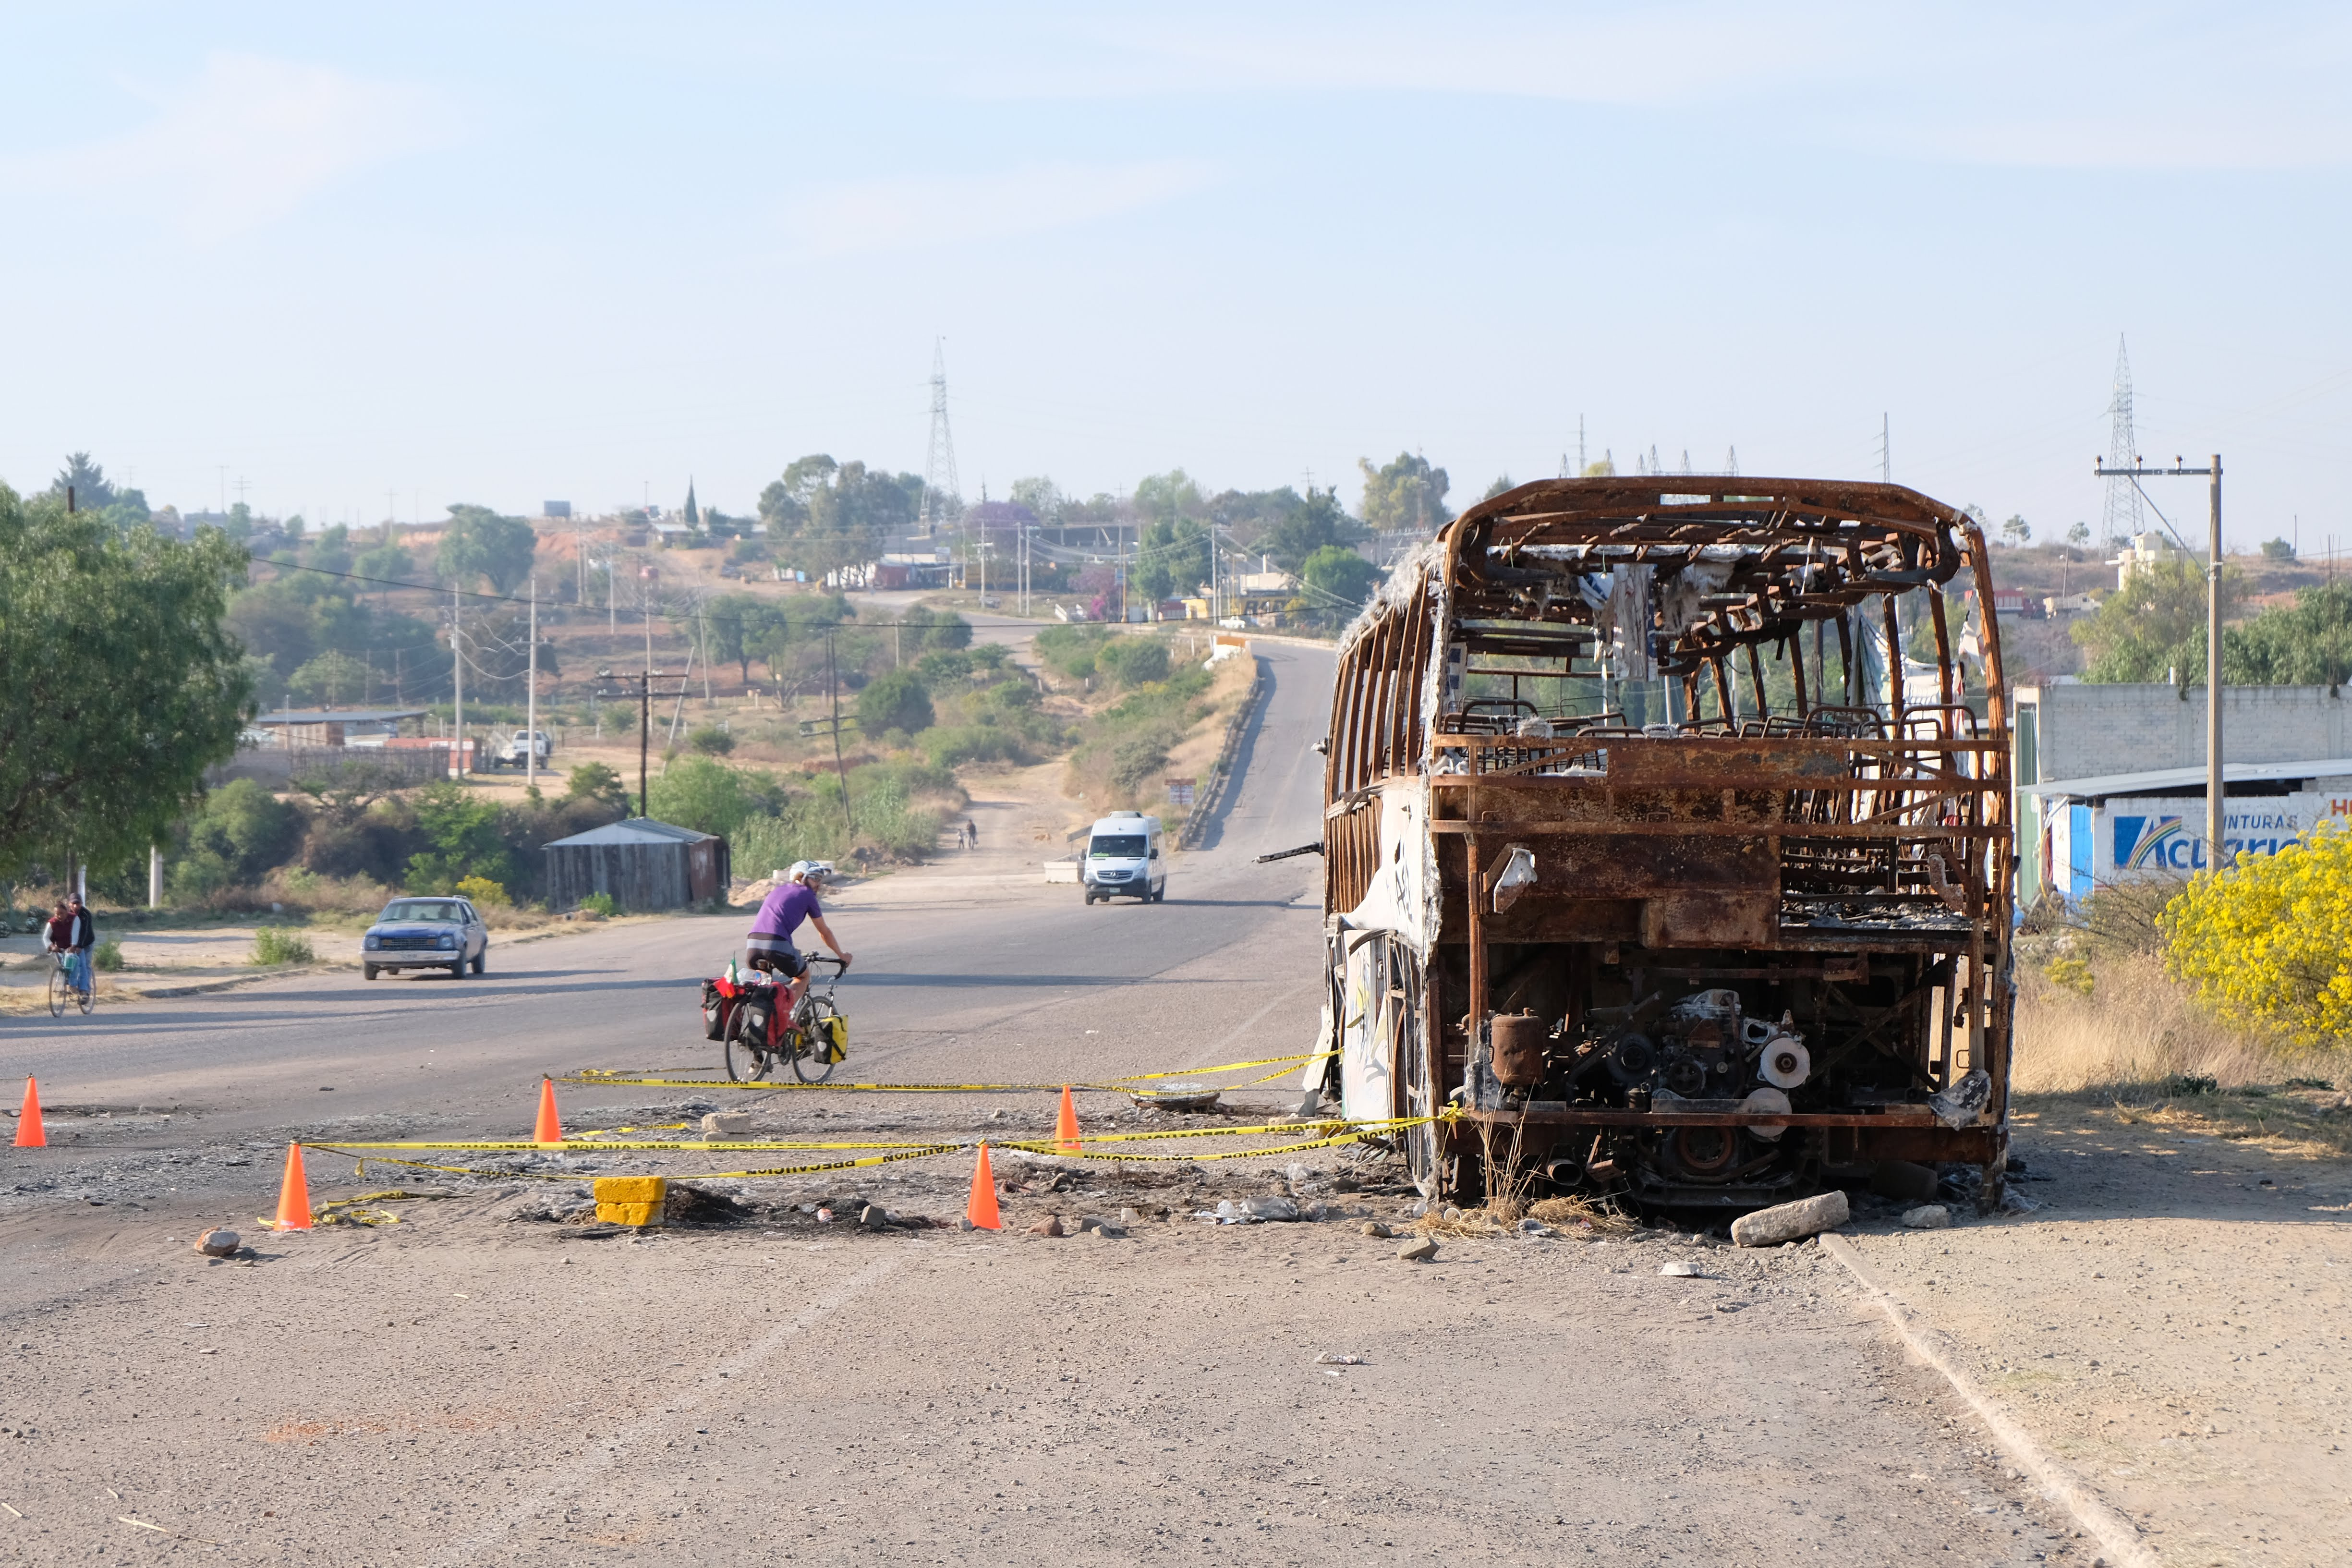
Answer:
(1858, 546)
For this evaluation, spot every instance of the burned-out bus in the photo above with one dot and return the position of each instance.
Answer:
(1668, 844)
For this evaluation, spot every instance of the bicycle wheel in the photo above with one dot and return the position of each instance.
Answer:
(809, 1063)
(745, 1062)
(87, 998)
(57, 990)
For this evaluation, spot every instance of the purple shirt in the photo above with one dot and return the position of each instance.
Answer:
(783, 910)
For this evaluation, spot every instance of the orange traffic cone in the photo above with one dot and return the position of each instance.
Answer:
(550, 1130)
(1066, 1130)
(29, 1134)
(293, 1193)
(981, 1210)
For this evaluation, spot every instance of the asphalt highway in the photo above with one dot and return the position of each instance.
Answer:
(1019, 982)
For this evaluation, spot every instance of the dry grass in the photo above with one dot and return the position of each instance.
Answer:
(2136, 1029)
(1573, 1211)
(2139, 1043)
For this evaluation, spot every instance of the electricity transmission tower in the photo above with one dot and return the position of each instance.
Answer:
(2123, 515)
(1885, 452)
(939, 468)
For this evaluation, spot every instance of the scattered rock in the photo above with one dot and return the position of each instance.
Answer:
(1131, 1217)
(726, 1125)
(1050, 1225)
(1108, 1232)
(1421, 1249)
(1376, 1230)
(219, 1242)
(1682, 1269)
(1787, 1222)
(965, 1224)
(1337, 1358)
(1927, 1216)
(1089, 1222)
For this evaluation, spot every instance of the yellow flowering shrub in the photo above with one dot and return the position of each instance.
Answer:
(2268, 941)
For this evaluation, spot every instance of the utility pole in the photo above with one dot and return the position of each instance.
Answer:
(1885, 453)
(840, 769)
(640, 686)
(531, 700)
(458, 703)
(2213, 790)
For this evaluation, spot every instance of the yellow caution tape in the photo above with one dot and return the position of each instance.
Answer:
(600, 1077)
(667, 1146)
(1335, 1132)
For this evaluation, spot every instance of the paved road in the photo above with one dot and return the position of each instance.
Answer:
(1028, 985)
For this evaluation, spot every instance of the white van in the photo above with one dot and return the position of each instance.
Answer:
(1125, 857)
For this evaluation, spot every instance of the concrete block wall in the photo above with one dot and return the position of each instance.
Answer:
(2087, 731)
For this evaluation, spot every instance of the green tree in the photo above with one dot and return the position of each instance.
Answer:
(333, 678)
(823, 515)
(1173, 558)
(1502, 485)
(1404, 495)
(2079, 535)
(1343, 580)
(333, 550)
(921, 626)
(705, 795)
(1040, 495)
(595, 782)
(2142, 630)
(118, 683)
(2307, 643)
(467, 840)
(741, 626)
(895, 700)
(389, 563)
(233, 839)
(2016, 530)
(1317, 522)
(478, 543)
(1133, 661)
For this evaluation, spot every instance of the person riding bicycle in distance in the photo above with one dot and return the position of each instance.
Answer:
(60, 934)
(769, 945)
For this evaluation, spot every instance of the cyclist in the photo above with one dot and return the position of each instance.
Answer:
(83, 937)
(65, 927)
(769, 945)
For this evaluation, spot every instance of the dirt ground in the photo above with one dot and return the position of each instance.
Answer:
(473, 1386)
(2172, 1322)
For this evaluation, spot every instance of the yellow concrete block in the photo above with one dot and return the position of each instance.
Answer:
(632, 1189)
(629, 1214)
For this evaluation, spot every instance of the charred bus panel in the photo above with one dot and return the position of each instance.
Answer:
(1710, 904)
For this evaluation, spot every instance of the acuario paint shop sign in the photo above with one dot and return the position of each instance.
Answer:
(2168, 836)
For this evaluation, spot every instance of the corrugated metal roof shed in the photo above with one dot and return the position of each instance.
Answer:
(641, 863)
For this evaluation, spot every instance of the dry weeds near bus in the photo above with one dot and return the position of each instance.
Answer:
(1701, 909)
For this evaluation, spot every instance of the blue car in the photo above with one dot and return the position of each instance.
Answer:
(426, 933)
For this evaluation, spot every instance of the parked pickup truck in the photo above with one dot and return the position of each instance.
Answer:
(513, 754)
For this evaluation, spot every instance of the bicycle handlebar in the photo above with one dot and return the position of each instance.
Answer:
(840, 964)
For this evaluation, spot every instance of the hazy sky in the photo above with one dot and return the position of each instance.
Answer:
(508, 253)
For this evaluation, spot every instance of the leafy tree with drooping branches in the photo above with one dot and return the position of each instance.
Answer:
(119, 683)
